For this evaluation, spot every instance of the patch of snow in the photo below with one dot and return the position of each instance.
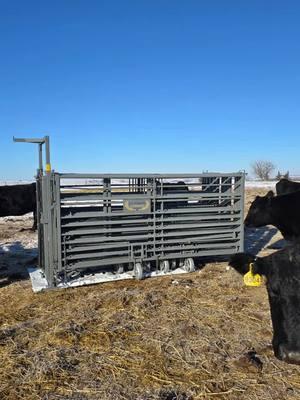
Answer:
(260, 184)
(263, 184)
(16, 218)
(18, 249)
(27, 245)
(19, 182)
(39, 282)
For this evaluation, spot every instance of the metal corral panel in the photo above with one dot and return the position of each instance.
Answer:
(106, 222)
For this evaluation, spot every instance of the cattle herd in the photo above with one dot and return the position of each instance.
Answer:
(281, 269)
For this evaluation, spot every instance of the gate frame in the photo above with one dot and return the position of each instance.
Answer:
(49, 210)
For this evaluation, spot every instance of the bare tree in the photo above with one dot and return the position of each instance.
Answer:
(262, 169)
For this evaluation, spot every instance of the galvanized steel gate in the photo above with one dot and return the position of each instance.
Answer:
(134, 222)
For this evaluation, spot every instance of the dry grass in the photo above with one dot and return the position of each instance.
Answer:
(182, 337)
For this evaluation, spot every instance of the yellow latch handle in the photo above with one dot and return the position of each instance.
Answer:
(48, 168)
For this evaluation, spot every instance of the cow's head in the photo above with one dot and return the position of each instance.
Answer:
(241, 263)
(259, 213)
(282, 272)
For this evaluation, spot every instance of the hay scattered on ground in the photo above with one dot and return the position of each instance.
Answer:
(184, 337)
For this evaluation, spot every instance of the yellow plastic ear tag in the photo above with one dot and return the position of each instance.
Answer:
(251, 279)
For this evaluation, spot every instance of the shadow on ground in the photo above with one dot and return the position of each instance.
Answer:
(279, 244)
(256, 239)
(14, 260)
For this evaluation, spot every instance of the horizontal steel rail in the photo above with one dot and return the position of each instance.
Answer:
(119, 260)
(74, 214)
(155, 176)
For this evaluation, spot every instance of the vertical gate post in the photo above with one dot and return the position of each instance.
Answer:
(45, 208)
(242, 202)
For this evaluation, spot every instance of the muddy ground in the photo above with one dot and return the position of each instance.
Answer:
(194, 336)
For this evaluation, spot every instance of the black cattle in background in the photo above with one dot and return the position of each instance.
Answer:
(170, 188)
(18, 200)
(282, 270)
(285, 186)
(282, 211)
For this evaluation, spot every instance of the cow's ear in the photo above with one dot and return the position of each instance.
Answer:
(241, 261)
(259, 266)
(270, 194)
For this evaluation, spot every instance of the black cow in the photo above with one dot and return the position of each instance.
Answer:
(285, 186)
(282, 272)
(18, 200)
(282, 211)
(170, 188)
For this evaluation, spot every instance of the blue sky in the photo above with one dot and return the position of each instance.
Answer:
(150, 86)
